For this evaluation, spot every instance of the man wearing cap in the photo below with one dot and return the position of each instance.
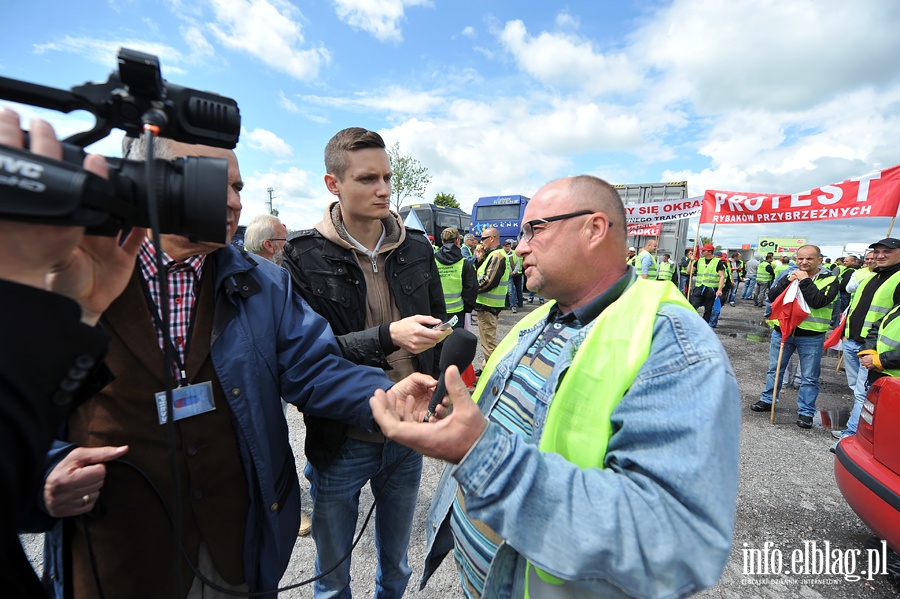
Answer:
(709, 280)
(468, 248)
(819, 289)
(874, 298)
(630, 257)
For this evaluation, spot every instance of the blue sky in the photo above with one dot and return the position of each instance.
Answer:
(498, 97)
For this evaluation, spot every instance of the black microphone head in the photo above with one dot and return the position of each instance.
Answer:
(459, 349)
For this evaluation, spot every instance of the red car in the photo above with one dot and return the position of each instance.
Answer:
(867, 466)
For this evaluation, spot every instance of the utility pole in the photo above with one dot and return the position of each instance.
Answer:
(269, 208)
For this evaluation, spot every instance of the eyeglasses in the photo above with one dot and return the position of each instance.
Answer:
(278, 239)
(528, 229)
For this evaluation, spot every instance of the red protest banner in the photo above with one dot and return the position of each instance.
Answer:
(638, 230)
(875, 194)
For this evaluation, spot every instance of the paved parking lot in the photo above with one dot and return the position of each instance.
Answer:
(788, 497)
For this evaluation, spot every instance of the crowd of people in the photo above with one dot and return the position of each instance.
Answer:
(579, 406)
(860, 296)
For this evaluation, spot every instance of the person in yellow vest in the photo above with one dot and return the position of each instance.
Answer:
(819, 288)
(709, 280)
(630, 257)
(666, 270)
(881, 355)
(562, 480)
(645, 263)
(458, 277)
(874, 298)
(493, 275)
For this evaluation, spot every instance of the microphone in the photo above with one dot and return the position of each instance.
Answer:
(459, 349)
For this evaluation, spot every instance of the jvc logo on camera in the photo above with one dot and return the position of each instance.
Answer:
(17, 169)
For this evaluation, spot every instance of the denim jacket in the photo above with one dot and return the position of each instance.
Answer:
(656, 522)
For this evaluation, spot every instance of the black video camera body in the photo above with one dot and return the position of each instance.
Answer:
(193, 191)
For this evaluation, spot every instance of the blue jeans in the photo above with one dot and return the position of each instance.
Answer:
(512, 298)
(335, 496)
(749, 285)
(857, 380)
(732, 294)
(809, 349)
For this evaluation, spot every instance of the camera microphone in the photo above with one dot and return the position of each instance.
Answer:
(459, 350)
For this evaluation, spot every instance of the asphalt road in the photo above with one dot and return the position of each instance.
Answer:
(787, 495)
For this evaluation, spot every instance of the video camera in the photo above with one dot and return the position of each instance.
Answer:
(192, 191)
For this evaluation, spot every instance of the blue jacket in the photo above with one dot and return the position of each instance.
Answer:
(647, 525)
(267, 344)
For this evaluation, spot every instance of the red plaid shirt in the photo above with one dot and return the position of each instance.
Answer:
(184, 284)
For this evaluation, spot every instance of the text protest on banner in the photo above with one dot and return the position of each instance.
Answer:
(639, 230)
(875, 194)
(657, 212)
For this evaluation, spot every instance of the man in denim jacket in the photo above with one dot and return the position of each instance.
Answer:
(522, 512)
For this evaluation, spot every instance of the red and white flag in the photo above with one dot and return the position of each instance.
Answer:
(834, 339)
(790, 309)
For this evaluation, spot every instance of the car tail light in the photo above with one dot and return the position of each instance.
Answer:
(866, 426)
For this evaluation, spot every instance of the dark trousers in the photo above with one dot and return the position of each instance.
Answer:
(517, 281)
(706, 297)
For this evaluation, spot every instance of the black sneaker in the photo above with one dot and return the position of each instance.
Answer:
(761, 406)
(804, 421)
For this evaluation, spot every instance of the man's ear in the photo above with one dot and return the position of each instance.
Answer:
(333, 185)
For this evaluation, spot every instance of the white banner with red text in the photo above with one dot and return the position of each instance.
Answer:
(657, 212)
(875, 194)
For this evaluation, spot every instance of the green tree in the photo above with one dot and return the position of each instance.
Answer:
(447, 200)
(409, 177)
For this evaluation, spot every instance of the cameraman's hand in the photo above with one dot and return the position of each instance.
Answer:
(91, 270)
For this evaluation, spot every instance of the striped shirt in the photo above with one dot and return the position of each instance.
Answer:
(475, 543)
(184, 287)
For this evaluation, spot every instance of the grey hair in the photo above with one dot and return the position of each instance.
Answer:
(260, 229)
(469, 237)
(135, 148)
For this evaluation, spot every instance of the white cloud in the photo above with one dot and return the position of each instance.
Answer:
(196, 41)
(381, 18)
(772, 53)
(269, 30)
(468, 31)
(393, 99)
(567, 20)
(300, 197)
(568, 62)
(266, 141)
(287, 103)
(104, 52)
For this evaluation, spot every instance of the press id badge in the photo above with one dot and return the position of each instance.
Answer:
(187, 401)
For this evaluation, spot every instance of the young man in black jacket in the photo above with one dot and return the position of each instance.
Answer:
(377, 284)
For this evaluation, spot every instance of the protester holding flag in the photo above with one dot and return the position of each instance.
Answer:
(874, 298)
(801, 313)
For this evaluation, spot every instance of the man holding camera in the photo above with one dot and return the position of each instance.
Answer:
(54, 283)
(225, 472)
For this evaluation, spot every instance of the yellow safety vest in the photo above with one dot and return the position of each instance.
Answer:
(496, 297)
(819, 319)
(451, 281)
(578, 423)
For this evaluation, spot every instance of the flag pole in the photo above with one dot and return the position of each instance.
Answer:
(892, 226)
(777, 379)
(840, 361)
